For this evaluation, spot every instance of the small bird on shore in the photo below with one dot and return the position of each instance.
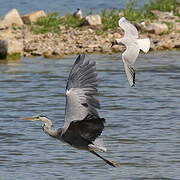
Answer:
(78, 13)
(82, 124)
(133, 46)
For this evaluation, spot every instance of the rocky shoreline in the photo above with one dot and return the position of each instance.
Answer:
(18, 39)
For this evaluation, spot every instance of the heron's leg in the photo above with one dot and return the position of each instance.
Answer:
(112, 163)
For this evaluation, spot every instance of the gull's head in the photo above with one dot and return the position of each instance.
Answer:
(122, 21)
(36, 118)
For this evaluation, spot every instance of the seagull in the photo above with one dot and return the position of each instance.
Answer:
(82, 125)
(133, 46)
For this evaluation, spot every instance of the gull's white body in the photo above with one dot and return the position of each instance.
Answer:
(133, 46)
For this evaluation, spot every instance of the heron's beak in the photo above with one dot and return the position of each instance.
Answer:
(29, 118)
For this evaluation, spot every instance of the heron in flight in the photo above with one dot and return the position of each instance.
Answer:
(82, 124)
(133, 46)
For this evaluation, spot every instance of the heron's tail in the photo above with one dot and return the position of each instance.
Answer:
(144, 44)
(110, 162)
(98, 145)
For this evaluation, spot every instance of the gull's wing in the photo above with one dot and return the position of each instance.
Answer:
(80, 90)
(129, 29)
(129, 57)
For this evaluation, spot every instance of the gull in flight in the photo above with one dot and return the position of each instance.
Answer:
(82, 124)
(133, 46)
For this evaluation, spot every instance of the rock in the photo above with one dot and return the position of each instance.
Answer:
(15, 46)
(33, 17)
(11, 18)
(121, 14)
(12, 41)
(177, 26)
(156, 28)
(3, 26)
(3, 49)
(93, 20)
(164, 15)
(10, 47)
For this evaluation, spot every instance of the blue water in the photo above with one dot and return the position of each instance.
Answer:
(61, 6)
(142, 130)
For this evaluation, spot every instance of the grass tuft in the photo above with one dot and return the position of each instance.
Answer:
(71, 21)
(109, 19)
(47, 24)
(134, 14)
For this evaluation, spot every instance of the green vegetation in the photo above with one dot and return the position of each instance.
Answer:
(161, 5)
(71, 21)
(52, 22)
(47, 24)
(13, 56)
(132, 13)
(110, 18)
(169, 24)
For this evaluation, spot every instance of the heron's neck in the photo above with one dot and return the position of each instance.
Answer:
(47, 127)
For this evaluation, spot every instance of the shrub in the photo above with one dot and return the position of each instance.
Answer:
(109, 19)
(47, 24)
(71, 21)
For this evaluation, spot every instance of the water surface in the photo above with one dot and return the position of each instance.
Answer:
(142, 131)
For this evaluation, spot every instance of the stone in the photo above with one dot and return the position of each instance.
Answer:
(15, 46)
(164, 15)
(3, 49)
(11, 18)
(33, 17)
(10, 47)
(156, 28)
(11, 42)
(93, 20)
(177, 26)
(3, 26)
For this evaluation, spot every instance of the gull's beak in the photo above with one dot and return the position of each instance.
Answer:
(29, 118)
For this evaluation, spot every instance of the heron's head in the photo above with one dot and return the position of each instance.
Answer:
(44, 119)
(36, 118)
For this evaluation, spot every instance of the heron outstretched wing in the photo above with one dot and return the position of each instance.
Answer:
(80, 90)
(89, 129)
(129, 29)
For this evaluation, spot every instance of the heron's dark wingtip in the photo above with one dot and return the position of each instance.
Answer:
(79, 58)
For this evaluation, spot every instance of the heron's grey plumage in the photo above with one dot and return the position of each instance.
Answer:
(82, 124)
(133, 47)
(80, 90)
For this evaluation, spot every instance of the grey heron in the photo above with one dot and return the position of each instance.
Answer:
(133, 46)
(82, 124)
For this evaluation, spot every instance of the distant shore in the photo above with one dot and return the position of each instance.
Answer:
(39, 34)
